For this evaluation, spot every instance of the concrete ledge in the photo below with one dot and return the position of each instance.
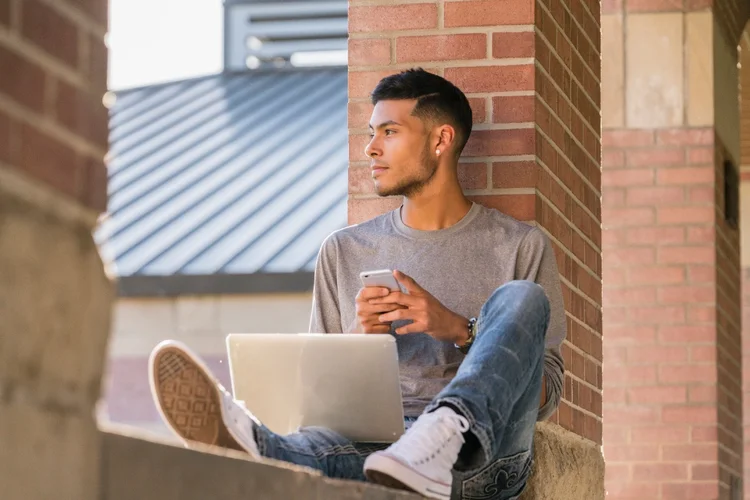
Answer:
(140, 465)
(567, 467)
(137, 466)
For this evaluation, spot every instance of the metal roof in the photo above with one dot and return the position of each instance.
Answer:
(234, 174)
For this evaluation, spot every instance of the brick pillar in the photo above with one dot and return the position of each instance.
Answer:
(531, 72)
(54, 296)
(745, 243)
(672, 390)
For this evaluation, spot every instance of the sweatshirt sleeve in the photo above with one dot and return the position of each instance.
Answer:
(536, 262)
(326, 314)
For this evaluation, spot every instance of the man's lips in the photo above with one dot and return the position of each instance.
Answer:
(376, 169)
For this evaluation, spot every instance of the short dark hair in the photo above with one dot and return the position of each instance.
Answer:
(438, 100)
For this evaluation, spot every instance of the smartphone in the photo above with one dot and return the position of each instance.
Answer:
(381, 278)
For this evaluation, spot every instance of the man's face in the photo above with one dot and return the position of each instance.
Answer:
(401, 162)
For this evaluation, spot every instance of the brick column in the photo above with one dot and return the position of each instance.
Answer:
(54, 297)
(672, 390)
(531, 72)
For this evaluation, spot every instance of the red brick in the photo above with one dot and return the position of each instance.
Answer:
(630, 376)
(685, 215)
(519, 206)
(94, 184)
(96, 10)
(654, 6)
(651, 395)
(478, 109)
(82, 114)
(701, 274)
(53, 32)
(617, 488)
(700, 156)
(703, 434)
(441, 47)
(703, 353)
(613, 198)
(657, 157)
(369, 51)
(9, 142)
(657, 354)
(659, 275)
(655, 196)
(661, 434)
(632, 453)
(513, 44)
(635, 334)
(689, 414)
(360, 180)
(612, 6)
(686, 137)
(704, 472)
(50, 161)
(703, 394)
(98, 64)
(514, 174)
(702, 195)
(689, 453)
(684, 176)
(686, 373)
(626, 217)
(629, 296)
(508, 142)
(492, 78)
(687, 333)
(472, 175)
(361, 210)
(359, 113)
(488, 13)
(627, 138)
(686, 255)
(392, 17)
(655, 235)
(686, 294)
(630, 256)
(701, 314)
(22, 80)
(362, 83)
(635, 177)
(357, 144)
(613, 159)
(689, 491)
(660, 472)
(513, 109)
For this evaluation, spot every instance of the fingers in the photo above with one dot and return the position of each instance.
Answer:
(377, 328)
(398, 314)
(410, 328)
(397, 298)
(371, 292)
(408, 282)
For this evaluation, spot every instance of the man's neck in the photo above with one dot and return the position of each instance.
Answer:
(433, 211)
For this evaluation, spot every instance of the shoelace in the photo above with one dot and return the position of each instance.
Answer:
(430, 435)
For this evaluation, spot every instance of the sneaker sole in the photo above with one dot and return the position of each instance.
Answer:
(386, 471)
(187, 398)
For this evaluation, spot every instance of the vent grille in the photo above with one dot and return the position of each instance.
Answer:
(285, 33)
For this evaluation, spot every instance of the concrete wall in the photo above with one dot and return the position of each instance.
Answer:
(201, 322)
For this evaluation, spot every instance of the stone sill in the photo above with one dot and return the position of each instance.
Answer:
(139, 465)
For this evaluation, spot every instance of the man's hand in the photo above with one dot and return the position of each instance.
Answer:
(427, 314)
(368, 312)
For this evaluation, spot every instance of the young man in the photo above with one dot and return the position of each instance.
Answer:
(479, 328)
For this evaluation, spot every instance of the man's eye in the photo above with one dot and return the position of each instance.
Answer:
(389, 131)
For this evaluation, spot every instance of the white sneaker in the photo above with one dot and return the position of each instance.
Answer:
(193, 402)
(422, 460)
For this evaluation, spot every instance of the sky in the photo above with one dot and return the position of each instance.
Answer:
(153, 41)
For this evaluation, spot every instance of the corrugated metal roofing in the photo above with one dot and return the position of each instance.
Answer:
(230, 174)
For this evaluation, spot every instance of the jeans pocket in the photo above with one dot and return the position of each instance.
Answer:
(503, 479)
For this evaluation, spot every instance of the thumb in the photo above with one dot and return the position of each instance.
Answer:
(408, 282)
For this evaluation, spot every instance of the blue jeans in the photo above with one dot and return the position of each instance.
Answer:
(497, 388)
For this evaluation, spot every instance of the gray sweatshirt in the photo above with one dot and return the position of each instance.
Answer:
(460, 266)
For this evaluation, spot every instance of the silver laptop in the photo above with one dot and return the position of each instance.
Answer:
(346, 382)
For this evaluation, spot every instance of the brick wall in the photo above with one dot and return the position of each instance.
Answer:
(659, 306)
(728, 333)
(53, 126)
(531, 72)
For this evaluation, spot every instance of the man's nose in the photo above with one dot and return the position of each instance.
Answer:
(370, 150)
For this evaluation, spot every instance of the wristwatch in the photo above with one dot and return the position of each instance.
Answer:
(472, 327)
